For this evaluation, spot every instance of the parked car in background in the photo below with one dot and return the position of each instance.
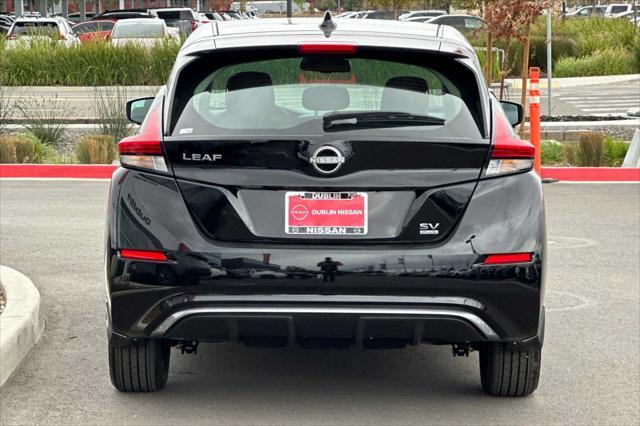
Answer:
(418, 19)
(143, 32)
(233, 14)
(615, 9)
(28, 29)
(379, 14)
(422, 14)
(213, 16)
(182, 18)
(350, 14)
(6, 20)
(75, 16)
(93, 30)
(586, 12)
(463, 23)
(116, 15)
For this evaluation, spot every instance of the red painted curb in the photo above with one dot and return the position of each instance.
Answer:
(76, 171)
(592, 174)
(104, 171)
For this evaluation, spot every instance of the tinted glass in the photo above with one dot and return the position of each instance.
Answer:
(147, 29)
(90, 27)
(288, 96)
(175, 14)
(35, 28)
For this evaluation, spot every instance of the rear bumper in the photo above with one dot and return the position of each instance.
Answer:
(413, 293)
(415, 321)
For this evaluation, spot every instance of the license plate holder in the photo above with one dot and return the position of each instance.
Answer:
(326, 213)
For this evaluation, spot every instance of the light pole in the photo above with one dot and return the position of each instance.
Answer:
(470, 242)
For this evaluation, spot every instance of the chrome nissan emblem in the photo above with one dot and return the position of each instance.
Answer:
(327, 159)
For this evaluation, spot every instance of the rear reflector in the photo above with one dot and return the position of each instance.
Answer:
(150, 255)
(327, 48)
(497, 259)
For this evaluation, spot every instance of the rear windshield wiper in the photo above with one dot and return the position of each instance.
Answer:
(337, 121)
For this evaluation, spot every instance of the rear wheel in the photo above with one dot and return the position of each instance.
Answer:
(139, 366)
(509, 370)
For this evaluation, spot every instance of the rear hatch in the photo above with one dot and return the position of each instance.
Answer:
(326, 146)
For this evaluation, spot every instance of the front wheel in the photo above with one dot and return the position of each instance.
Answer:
(139, 366)
(510, 370)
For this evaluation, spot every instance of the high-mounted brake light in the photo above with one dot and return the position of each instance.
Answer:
(144, 150)
(507, 258)
(509, 154)
(327, 48)
(150, 255)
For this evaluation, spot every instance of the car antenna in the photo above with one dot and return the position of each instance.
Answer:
(328, 25)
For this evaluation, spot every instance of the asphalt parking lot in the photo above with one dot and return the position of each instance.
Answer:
(52, 231)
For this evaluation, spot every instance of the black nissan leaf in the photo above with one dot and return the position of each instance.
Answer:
(325, 184)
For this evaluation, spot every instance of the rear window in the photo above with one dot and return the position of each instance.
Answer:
(147, 29)
(618, 9)
(175, 14)
(90, 27)
(35, 28)
(294, 95)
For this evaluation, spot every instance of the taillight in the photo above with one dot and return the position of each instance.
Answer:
(328, 48)
(144, 150)
(507, 258)
(509, 154)
(149, 255)
(194, 25)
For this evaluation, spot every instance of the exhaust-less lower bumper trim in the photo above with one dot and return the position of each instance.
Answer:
(478, 322)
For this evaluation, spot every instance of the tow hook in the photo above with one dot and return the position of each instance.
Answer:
(189, 347)
(461, 349)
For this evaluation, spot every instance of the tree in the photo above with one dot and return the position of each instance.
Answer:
(395, 5)
(512, 19)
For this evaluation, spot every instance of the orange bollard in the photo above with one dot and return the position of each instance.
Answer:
(534, 115)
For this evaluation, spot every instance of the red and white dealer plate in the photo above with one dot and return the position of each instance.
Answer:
(326, 213)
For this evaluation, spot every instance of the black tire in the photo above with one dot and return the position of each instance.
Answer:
(509, 370)
(139, 366)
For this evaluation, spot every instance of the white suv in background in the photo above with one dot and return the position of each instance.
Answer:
(27, 29)
(616, 9)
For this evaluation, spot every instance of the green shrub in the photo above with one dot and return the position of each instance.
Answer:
(614, 151)
(592, 34)
(7, 150)
(551, 152)
(95, 149)
(98, 63)
(45, 154)
(609, 61)
(5, 108)
(588, 152)
(17, 148)
(110, 110)
(25, 152)
(45, 117)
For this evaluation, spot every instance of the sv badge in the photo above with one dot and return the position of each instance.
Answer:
(429, 228)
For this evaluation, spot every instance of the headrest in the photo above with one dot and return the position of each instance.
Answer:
(248, 92)
(247, 80)
(325, 98)
(414, 84)
(405, 94)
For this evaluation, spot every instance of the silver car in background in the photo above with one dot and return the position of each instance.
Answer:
(144, 32)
